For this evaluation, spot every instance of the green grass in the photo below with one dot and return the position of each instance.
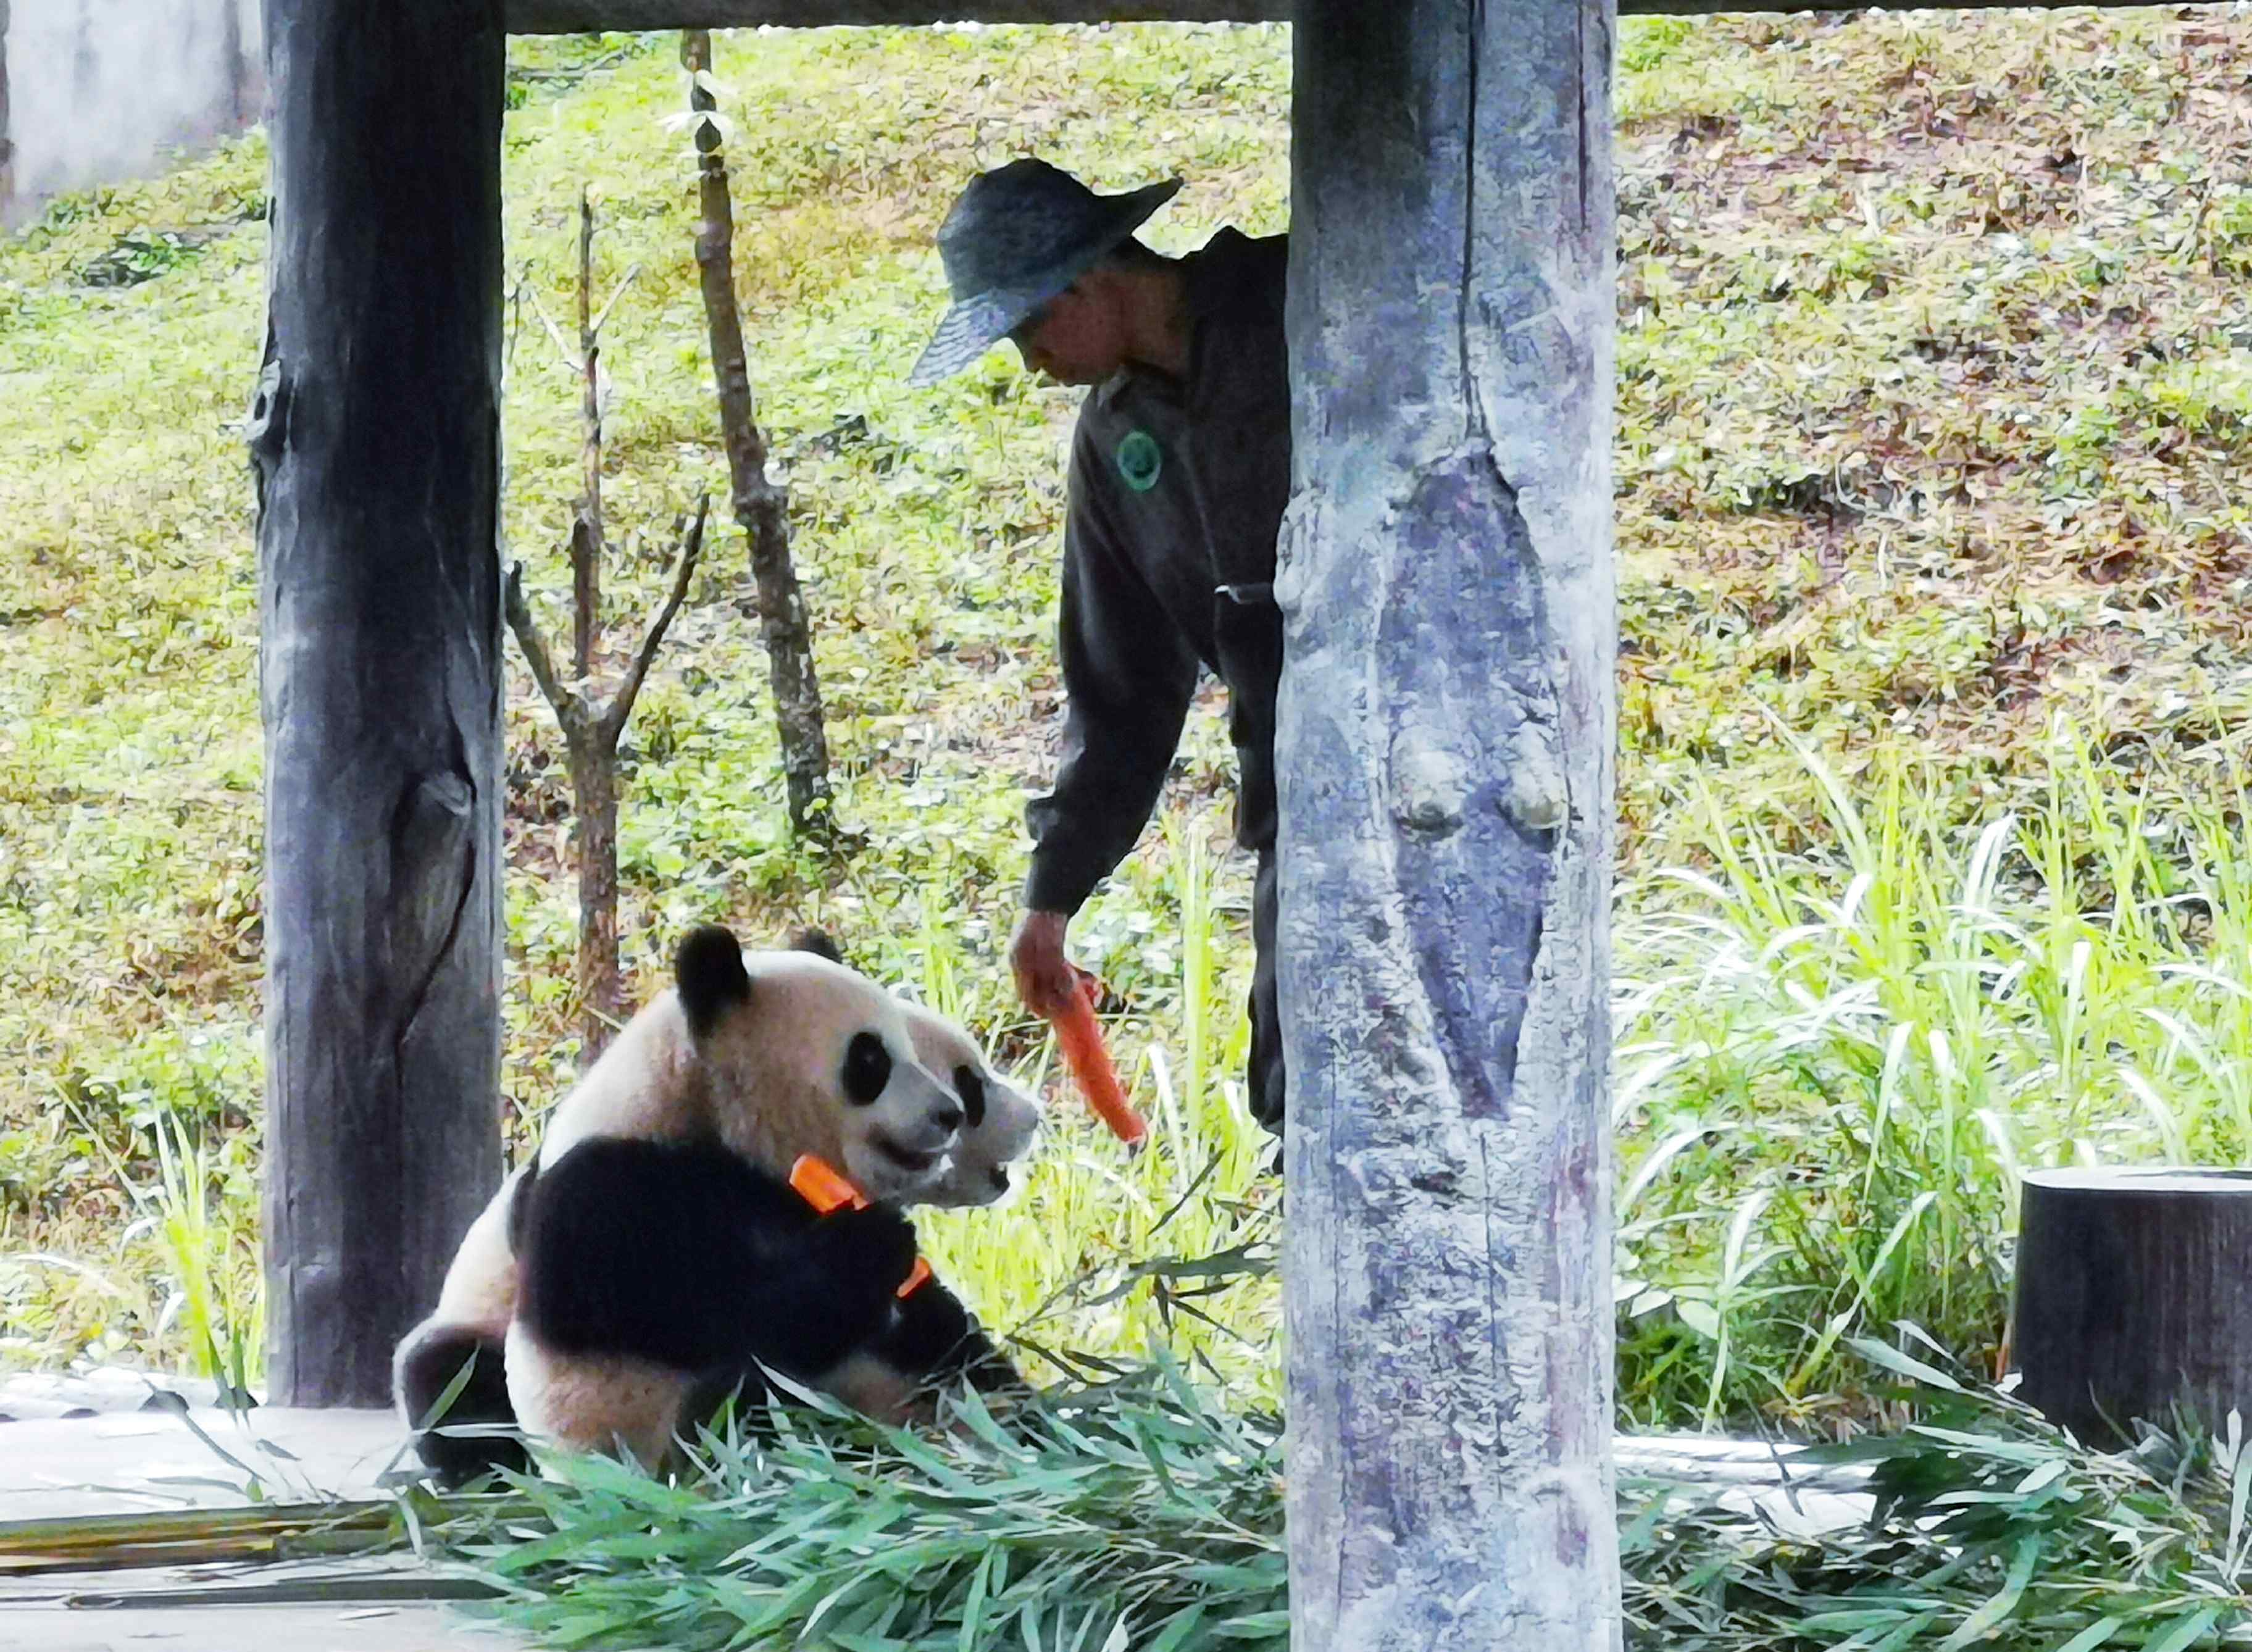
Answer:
(1835, 1063)
(1932, 379)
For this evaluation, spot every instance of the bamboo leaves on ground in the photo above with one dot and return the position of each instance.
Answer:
(1147, 1514)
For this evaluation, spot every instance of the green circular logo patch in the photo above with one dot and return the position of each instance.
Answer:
(1140, 460)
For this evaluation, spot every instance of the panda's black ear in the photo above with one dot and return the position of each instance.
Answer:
(818, 943)
(708, 969)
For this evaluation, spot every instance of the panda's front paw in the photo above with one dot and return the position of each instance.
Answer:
(868, 1254)
(928, 1332)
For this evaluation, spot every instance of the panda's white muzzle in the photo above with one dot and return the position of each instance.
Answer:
(914, 1129)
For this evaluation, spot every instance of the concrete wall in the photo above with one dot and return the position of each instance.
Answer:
(100, 90)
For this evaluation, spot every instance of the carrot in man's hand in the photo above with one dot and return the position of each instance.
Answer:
(824, 1189)
(1083, 1051)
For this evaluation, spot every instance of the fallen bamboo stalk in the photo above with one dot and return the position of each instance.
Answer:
(202, 1537)
(342, 1590)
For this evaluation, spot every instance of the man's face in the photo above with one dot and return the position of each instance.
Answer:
(1078, 338)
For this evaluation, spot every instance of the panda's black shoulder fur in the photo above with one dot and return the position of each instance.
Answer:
(707, 969)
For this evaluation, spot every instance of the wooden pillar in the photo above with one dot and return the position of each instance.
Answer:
(1445, 746)
(376, 435)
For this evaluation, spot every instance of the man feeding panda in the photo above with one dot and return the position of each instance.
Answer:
(568, 1311)
(1180, 472)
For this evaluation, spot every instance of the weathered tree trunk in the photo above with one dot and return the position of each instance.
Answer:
(376, 434)
(1445, 746)
(238, 112)
(595, 799)
(2134, 1294)
(761, 508)
(7, 147)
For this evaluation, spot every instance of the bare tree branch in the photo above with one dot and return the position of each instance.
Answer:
(591, 725)
(570, 706)
(564, 353)
(562, 344)
(586, 537)
(622, 704)
(515, 321)
(624, 282)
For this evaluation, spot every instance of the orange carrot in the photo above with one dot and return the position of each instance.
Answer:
(820, 1187)
(1081, 1039)
(824, 1189)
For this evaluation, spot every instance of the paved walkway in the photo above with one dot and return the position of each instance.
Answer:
(74, 1448)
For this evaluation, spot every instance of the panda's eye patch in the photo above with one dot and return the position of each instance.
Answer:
(970, 1087)
(867, 1067)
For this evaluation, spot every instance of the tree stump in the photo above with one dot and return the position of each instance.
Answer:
(2134, 1295)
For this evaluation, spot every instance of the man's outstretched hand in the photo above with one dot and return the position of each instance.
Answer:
(1045, 981)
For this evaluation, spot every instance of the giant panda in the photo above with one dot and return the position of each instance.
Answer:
(747, 1061)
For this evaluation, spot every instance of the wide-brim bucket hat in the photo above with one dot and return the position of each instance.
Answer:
(1019, 235)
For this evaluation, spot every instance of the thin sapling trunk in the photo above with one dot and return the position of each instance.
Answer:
(592, 727)
(761, 506)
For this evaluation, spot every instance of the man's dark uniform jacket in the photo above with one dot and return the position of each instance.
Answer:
(1177, 494)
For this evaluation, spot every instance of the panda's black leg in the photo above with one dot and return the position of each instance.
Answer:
(1264, 1074)
(427, 1369)
(738, 1390)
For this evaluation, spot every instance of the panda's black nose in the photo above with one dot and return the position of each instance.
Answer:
(947, 1118)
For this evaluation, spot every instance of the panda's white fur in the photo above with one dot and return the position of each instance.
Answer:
(480, 1288)
(607, 1403)
(614, 1402)
(993, 1138)
(763, 1081)
(752, 1083)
